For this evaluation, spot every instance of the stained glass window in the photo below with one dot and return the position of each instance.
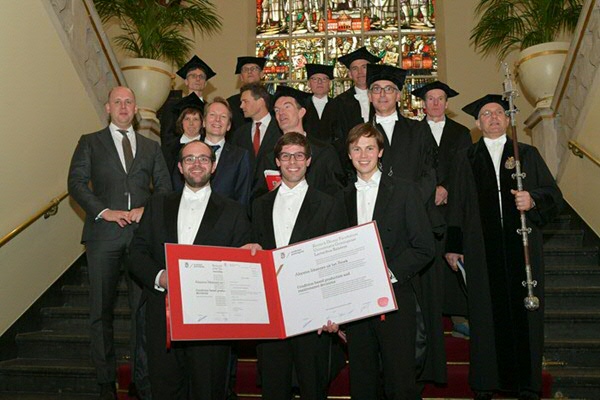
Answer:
(291, 33)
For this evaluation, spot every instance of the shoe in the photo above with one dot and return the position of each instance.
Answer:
(483, 395)
(461, 331)
(528, 395)
(108, 391)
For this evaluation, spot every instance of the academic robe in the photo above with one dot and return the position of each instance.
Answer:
(507, 341)
(408, 245)
(324, 173)
(412, 155)
(455, 137)
(315, 125)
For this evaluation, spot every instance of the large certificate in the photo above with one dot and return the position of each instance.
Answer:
(227, 293)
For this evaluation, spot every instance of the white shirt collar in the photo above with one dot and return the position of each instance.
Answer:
(386, 120)
(201, 194)
(300, 188)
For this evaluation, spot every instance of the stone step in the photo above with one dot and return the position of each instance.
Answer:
(573, 297)
(576, 383)
(563, 237)
(574, 352)
(77, 319)
(65, 345)
(562, 221)
(574, 324)
(572, 256)
(50, 376)
(78, 295)
(572, 275)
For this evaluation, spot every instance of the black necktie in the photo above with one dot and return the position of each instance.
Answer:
(126, 150)
(215, 147)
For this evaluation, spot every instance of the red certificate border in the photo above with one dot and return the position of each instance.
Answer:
(180, 331)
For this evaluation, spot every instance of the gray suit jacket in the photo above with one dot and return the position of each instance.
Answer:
(98, 181)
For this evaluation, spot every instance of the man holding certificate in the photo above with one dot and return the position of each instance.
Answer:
(387, 342)
(292, 213)
(196, 215)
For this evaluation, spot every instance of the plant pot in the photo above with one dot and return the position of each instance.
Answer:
(539, 69)
(150, 80)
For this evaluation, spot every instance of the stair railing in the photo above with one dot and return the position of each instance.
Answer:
(580, 152)
(46, 212)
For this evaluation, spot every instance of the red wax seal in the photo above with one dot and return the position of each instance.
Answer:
(383, 301)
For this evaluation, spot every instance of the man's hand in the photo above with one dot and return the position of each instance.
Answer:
(452, 260)
(253, 247)
(523, 200)
(118, 216)
(330, 328)
(135, 215)
(441, 196)
(162, 280)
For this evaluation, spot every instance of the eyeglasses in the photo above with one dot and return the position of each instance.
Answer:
(488, 113)
(319, 79)
(196, 76)
(300, 156)
(190, 160)
(253, 68)
(387, 90)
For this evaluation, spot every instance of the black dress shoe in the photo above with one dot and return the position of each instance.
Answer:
(484, 395)
(108, 391)
(528, 395)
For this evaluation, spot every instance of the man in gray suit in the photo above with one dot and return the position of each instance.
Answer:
(111, 175)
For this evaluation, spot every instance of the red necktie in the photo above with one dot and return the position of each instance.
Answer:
(256, 139)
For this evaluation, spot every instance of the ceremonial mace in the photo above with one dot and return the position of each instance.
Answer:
(531, 302)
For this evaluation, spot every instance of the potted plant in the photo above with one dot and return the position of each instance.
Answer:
(531, 26)
(154, 34)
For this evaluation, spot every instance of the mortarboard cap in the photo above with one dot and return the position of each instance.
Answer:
(422, 91)
(196, 62)
(190, 101)
(476, 106)
(312, 69)
(358, 54)
(287, 91)
(241, 61)
(377, 72)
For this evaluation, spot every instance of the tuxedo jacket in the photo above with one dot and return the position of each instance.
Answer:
(97, 180)
(233, 175)
(319, 214)
(324, 173)
(225, 223)
(404, 230)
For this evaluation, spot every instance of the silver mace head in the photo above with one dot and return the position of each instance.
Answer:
(532, 303)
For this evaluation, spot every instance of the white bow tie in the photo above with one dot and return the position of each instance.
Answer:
(386, 120)
(362, 185)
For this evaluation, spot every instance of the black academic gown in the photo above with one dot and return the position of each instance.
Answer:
(205, 364)
(507, 341)
(324, 173)
(412, 155)
(455, 137)
(408, 245)
(315, 125)
(310, 354)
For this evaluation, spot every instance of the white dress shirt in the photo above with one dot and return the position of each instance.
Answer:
(285, 211)
(264, 124)
(496, 148)
(436, 129)
(118, 139)
(363, 99)
(191, 211)
(319, 104)
(388, 124)
(220, 143)
(366, 195)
